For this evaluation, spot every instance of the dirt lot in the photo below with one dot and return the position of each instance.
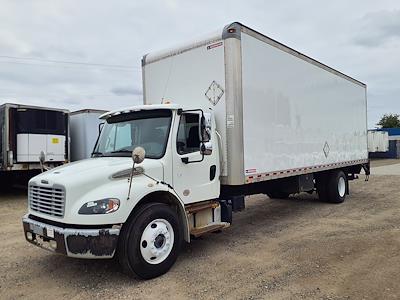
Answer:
(298, 248)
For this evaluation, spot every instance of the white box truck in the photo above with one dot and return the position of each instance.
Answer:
(378, 141)
(25, 132)
(249, 116)
(84, 126)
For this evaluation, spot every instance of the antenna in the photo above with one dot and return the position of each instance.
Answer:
(169, 76)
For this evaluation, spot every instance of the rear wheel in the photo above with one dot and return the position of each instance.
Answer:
(332, 187)
(150, 241)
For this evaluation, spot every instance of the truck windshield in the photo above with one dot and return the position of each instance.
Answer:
(122, 133)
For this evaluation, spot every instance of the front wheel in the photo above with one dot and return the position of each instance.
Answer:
(150, 241)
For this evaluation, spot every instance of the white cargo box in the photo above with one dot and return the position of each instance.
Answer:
(378, 141)
(279, 113)
(30, 146)
(84, 126)
(26, 131)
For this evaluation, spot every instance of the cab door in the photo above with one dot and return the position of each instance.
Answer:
(195, 161)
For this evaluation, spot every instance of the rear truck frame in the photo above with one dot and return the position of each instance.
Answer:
(250, 116)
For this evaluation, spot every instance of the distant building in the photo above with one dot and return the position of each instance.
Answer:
(394, 144)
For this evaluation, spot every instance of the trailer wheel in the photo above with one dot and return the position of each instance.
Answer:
(278, 195)
(332, 187)
(337, 187)
(150, 241)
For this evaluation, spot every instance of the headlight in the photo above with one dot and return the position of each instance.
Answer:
(104, 206)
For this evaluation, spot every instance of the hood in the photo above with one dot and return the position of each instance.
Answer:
(95, 171)
(93, 179)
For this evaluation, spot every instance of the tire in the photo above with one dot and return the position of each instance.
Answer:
(332, 187)
(150, 241)
(278, 195)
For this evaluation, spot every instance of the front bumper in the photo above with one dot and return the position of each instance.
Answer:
(80, 243)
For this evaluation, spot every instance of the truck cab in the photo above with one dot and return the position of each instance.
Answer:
(142, 208)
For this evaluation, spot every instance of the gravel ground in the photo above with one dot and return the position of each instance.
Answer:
(387, 170)
(378, 162)
(297, 248)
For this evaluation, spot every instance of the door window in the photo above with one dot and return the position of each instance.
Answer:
(188, 139)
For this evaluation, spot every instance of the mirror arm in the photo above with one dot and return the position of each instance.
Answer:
(186, 160)
(138, 155)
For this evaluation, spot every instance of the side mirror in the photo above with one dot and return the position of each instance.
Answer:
(205, 127)
(138, 155)
(206, 148)
(42, 157)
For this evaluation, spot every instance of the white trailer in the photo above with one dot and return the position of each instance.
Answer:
(378, 141)
(25, 132)
(279, 112)
(85, 128)
(250, 116)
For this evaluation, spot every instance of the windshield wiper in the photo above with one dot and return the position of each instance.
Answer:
(121, 151)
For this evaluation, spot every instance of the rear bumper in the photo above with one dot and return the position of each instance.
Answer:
(80, 243)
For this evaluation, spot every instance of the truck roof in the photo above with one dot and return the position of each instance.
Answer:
(138, 108)
(234, 30)
(88, 111)
(16, 105)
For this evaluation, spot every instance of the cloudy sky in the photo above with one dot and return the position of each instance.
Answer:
(101, 44)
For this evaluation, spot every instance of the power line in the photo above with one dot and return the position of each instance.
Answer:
(18, 95)
(66, 66)
(71, 62)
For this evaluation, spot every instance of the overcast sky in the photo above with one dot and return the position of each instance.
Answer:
(359, 38)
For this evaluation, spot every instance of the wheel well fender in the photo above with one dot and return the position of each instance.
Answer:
(172, 200)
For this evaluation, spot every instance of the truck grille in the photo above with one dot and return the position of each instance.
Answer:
(47, 200)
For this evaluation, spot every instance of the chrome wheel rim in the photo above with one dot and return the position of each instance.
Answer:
(157, 241)
(341, 187)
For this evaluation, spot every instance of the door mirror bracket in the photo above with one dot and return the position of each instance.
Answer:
(206, 148)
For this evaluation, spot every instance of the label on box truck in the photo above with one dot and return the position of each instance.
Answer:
(250, 171)
(55, 140)
(230, 121)
(209, 47)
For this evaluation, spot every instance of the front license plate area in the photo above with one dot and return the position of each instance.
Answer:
(36, 229)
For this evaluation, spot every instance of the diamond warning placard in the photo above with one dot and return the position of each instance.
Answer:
(326, 149)
(214, 92)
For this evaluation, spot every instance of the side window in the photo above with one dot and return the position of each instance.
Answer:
(119, 138)
(123, 138)
(188, 139)
(109, 144)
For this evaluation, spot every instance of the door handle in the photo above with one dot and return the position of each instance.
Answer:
(213, 171)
